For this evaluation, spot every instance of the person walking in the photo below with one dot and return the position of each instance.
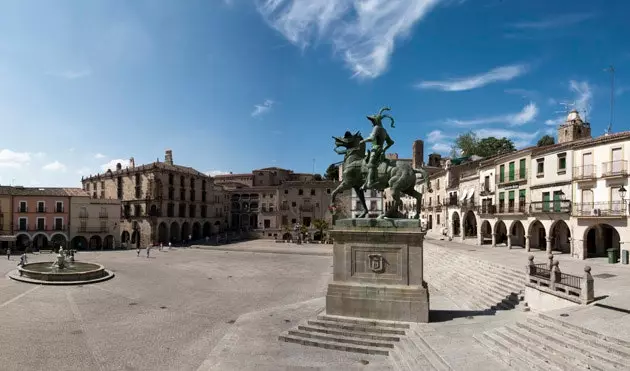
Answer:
(148, 250)
(138, 247)
(8, 253)
(23, 260)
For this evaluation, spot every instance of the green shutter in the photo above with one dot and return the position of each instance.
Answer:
(502, 196)
(521, 169)
(501, 173)
(511, 177)
(556, 201)
(521, 194)
(545, 205)
(511, 195)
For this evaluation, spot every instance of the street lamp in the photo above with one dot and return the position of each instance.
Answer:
(622, 193)
(563, 196)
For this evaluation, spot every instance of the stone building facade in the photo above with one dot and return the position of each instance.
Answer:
(94, 223)
(7, 238)
(270, 201)
(162, 201)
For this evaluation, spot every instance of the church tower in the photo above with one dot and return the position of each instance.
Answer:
(573, 129)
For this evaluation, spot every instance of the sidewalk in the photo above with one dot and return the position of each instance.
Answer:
(271, 247)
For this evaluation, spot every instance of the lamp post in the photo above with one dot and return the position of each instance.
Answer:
(622, 193)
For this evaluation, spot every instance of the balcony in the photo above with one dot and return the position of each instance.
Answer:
(451, 202)
(486, 209)
(307, 208)
(512, 208)
(614, 169)
(40, 210)
(584, 172)
(268, 211)
(438, 208)
(59, 209)
(512, 177)
(22, 209)
(486, 191)
(43, 228)
(284, 207)
(99, 229)
(83, 215)
(609, 209)
(103, 215)
(467, 204)
(429, 207)
(558, 206)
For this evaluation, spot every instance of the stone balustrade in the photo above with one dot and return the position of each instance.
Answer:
(547, 277)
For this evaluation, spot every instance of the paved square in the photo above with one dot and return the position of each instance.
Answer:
(167, 312)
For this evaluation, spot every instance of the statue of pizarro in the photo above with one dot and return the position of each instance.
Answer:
(380, 140)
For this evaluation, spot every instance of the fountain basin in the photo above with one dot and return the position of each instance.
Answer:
(75, 274)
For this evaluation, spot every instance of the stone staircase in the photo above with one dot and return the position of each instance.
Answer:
(473, 283)
(544, 342)
(413, 353)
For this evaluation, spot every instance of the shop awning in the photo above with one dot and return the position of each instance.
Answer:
(8, 238)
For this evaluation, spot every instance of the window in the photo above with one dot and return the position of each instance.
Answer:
(137, 210)
(511, 171)
(103, 228)
(327, 190)
(540, 167)
(511, 201)
(41, 207)
(286, 191)
(306, 221)
(192, 211)
(23, 224)
(87, 186)
(171, 193)
(23, 207)
(562, 162)
(501, 201)
(285, 220)
(372, 205)
(437, 219)
(486, 183)
(312, 192)
(59, 224)
(267, 223)
(41, 224)
(170, 210)
(59, 206)
(545, 201)
(357, 205)
(83, 213)
(204, 211)
(270, 207)
(557, 200)
(293, 204)
(501, 173)
(182, 210)
(170, 179)
(300, 192)
(182, 181)
(522, 169)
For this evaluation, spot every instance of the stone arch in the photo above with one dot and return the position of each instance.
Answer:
(125, 237)
(40, 241)
(253, 221)
(470, 224)
(560, 236)
(500, 231)
(537, 235)
(185, 231)
(599, 238)
(108, 242)
(217, 227)
(196, 231)
(59, 239)
(175, 237)
(135, 237)
(456, 224)
(79, 243)
(22, 241)
(163, 233)
(486, 233)
(95, 243)
(517, 233)
(207, 229)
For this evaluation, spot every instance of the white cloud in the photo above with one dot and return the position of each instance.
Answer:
(441, 142)
(99, 156)
(363, 32)
(73, 74)
(435, 136)
(216, 172)
(9, 158)
(442, 148)
(112, 164)
(504, 73)
(584, 96)
(526, 115)
(555, 122)
(84, 171)
(554, 22)
(54, 166)
(39, 155)
(260, 109)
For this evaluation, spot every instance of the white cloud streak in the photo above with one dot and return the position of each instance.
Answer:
(363, 32)
(99, 156)
(583, 96)
(564, 20)
(13, 159)
(111, 165)
(260, 109)
(526, 115)
(73, 74)
(504, 73)
(54, 166)
(216, 172)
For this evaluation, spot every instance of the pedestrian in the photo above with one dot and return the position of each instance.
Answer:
(23, 260)
(138, 247)
(161, 246)
(8, 253)
(169, 246)
(148, 250)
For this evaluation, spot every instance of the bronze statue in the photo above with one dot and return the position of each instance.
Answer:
(381, 141)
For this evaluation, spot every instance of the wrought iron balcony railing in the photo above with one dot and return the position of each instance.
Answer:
(600, 209)
(584, 172)
(512, 208)
(486, 209)
(557, 206)
(512, 177)
(614, 168)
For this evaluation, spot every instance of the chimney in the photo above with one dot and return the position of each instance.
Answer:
(418, 154)
(132, 163)
(168, 157)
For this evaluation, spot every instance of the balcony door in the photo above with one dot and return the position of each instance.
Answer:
(587, 201)
(557, 204)
(511, 173)
(616, 206)
(545, 202)
(617, 164)
(587, 165)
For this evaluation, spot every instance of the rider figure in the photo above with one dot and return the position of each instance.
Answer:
(380, 143)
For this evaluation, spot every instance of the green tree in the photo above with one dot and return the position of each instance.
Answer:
(468, 145)
(321, 225)
(332, 172)
(317, 177)
(546, 140)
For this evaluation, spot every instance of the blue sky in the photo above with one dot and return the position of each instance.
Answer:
(237, 85)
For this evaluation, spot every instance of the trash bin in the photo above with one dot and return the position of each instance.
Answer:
(625, 257)
(612, 256)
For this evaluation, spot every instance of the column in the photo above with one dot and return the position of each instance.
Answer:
(548, 240)
(494, 240)
(479, 237)
(509, 241)
(527, 243)
(462, 233)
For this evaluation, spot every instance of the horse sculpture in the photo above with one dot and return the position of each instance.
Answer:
(399, 176)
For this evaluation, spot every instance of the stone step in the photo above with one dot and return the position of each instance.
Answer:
(422, 347)
(506, 271)
(363, 322)
(340, 339)
(585, 331)
(532, 354)
(358, 335)
(515, 358)
(333, 345)
(503, 299)
(603, 346)
(567, 344)
(399, 361)
(412, 360)
(508, 274)
(358, 328)
(563, 358)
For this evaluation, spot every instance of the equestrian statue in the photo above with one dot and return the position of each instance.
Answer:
(374, 171)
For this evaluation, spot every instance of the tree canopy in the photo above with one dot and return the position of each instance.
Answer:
(468, 145)
(332, 172)
(546, 140)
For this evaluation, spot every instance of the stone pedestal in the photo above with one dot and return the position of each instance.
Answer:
(378, 270)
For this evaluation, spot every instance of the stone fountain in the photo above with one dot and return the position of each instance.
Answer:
(63, 271)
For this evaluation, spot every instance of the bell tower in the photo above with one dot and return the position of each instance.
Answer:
(573, 129)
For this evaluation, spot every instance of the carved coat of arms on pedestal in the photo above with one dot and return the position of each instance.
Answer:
(376, 263)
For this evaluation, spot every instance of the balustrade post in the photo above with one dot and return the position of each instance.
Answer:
(494, 240)
(527, 248)
(548, 246)
(587, 293)
(550, 264)
(509, 241)
(531, 267)
(556, 275)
